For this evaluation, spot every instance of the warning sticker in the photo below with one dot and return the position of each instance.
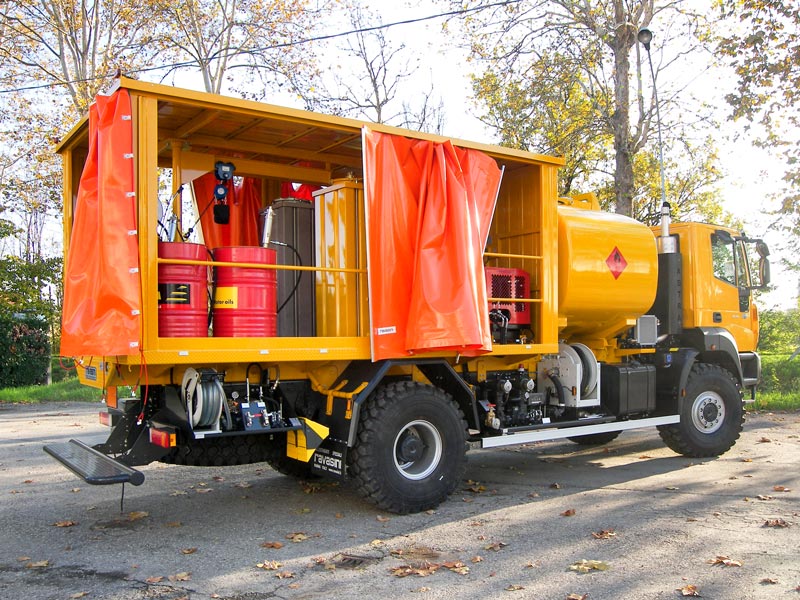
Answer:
(226, 297)
(616, 262)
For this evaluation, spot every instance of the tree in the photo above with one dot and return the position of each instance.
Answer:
(369, 81)
(257, 37)
(593, 42)
(764, 51)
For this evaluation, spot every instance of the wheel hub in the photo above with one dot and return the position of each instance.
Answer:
(410, 449)
(708, 412)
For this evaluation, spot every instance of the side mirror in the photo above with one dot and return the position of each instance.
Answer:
(763, 271)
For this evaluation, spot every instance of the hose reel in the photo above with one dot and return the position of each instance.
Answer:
(204, 400)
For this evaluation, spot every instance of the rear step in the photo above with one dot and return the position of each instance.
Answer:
(93, 466)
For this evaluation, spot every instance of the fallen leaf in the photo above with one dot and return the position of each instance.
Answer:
(23, 558)
(645, 456)
(273, 545)
(422, 589)
(269, 565)
(533, 495)
(747, 460)
(137, 515)
(339, 515)
(218, 478)
(204, 490)
(533, 564)
(174, 524)
(157, 579)
(725, 561)
(424, 569)
(672, 488)
(456, 566)
(284, 575)
(514, 588)
(780, 488)
(293, 586)
(555, 486)
(179, 493)
(690, 590)
(188, 550)
(584, 566)
(476, 489)
(768, 581)
(75, 490)
(382, 519)
(570, 512)
(243, 484)
(604, 534)
(764, 440)
(476, 559)
(182, 576)
(495, 546)
(39, 564)
(776, 523)
(65, 524)
(762, 497)
(79, 595)
(577, 597)
(28, 481)
(297, 537)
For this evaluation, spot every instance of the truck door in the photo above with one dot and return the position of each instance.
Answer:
(729, 303)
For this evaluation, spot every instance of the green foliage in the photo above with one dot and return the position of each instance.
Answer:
(780, 382)
(24, 350)
(779, 331)
(68, 390)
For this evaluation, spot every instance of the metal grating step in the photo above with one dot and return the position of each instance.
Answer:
(92, 466)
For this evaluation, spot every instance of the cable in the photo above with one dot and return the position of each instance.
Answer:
(299, 273)
(229, 54)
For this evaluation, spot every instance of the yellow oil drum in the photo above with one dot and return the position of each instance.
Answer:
(607, 272)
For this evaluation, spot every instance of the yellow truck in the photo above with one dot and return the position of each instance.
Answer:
(251, 283)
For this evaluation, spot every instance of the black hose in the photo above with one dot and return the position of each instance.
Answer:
(559, 388)
(299, 273)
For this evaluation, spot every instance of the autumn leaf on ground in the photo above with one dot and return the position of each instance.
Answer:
(297, 537)
(424, 569)
(188, 550)
(764, 440)
(577, 597)
(156, 579)
(273, 545)
(382, 519)
(182, 576)
(604, 534)
(725, 561)
(747, 460)
(690, 590)
(269, 565)
(555, 486)
(284, 575)
(456, 566)
(776, 523)
(77, 595)
(416, 553)
(476, 559)
(218, 478)
(780, 488)
(514, 588)
(179, 493)
(39, 564)
(584, 566)
(763, 497)
(495, 546)
(137, 515)
(476, 489)
(65, 524)
(243, 484)
(570, 512)
(768, 581)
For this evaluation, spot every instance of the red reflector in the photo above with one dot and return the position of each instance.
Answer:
(162, 437)
(105, 418)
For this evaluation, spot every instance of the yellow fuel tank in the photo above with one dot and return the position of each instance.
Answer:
(607, 272)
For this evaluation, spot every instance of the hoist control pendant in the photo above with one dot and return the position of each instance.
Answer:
(182, 291)
(245, 298)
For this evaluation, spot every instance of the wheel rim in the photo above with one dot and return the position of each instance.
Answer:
(417, 450)
(708, 412)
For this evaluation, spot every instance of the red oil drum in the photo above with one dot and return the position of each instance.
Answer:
(245, 298)
(182, 292)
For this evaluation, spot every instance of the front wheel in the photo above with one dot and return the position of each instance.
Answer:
(712, 414)
(410, 452)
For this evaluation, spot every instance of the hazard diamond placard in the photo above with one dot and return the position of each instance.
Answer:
(616, 262)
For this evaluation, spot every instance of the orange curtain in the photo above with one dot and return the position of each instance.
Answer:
(102, 290)
(244, 201)
(432, 204)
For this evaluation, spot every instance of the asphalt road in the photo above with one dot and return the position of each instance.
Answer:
(518, 528)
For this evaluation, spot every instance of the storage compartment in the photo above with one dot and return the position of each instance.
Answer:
(628, 389)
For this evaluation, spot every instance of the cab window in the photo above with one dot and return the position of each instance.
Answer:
(729, 260)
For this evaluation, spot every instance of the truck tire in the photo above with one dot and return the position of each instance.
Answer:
(410, 450)
(595, 439)
(712, 414)
(276, 458)
(219, 452)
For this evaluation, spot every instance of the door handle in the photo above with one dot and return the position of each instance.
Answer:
(717, 317)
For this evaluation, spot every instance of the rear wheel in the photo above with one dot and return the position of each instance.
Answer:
(595, 439)
(712, 414)
(410, 452)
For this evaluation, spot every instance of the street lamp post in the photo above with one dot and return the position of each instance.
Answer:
(645, 36)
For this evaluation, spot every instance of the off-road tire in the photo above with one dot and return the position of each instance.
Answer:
(595, 439)
(712, 414)
(410, 451)
(275, 447)
(220, 452)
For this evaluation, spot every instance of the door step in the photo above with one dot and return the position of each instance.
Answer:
(93, 466)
